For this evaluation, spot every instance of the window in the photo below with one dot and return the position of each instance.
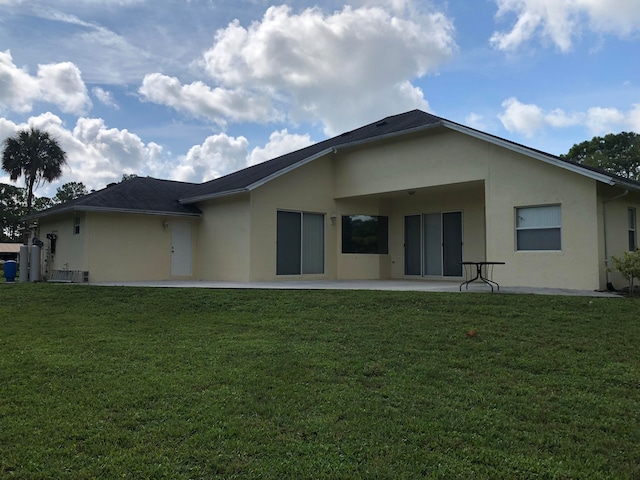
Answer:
(538, 228)
(365, 234)
(300, 243)
(76, 226)
(631, 214)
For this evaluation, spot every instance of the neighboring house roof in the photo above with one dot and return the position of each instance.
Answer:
(136, 195)
(150, 195)
(10, 247)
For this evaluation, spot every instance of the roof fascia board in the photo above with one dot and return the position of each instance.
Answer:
(201, 198)
(530, 153)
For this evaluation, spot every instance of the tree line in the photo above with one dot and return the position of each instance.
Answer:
(14, 206)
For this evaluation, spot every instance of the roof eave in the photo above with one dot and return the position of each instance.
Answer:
(201, 198)
(84, 208)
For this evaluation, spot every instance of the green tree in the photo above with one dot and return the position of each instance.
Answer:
(34, 155)
(69, 191)
(615, 153)
(628, 265)
(13, 207)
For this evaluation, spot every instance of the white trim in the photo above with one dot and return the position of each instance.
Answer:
(200, 198)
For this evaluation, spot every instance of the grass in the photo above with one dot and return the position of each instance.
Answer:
(108, 382)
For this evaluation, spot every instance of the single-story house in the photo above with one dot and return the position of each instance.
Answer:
(408, 197)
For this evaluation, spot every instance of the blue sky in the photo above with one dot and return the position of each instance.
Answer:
(194, 89)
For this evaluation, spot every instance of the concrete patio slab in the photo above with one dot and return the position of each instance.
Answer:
(391, 285)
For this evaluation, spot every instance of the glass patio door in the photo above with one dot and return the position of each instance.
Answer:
(433, 244)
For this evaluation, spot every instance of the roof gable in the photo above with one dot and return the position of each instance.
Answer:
(245, 178)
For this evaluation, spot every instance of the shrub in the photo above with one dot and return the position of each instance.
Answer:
(629, 266)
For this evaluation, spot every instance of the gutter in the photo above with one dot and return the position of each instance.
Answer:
(606, 247)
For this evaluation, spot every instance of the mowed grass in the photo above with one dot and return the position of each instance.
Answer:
(115, 382)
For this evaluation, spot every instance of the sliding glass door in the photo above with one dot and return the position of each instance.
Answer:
(300, 243)
(433, 244)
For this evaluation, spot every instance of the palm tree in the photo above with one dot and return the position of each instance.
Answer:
(34, 155)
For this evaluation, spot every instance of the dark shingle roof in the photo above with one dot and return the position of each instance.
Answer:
(150, 195)
(138, 194)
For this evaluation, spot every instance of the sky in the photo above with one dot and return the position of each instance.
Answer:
(191, 90)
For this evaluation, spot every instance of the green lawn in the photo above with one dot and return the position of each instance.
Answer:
(108, 382)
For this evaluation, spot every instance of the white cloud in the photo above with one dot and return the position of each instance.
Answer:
(105, 97)
(96, 155)
(521, 118)
(529, 119)
(62, 85)
(199, 100)
(59, 84)
(476, 121)
(280, 143)
(634, 118)
(222, 154)
(561, 21)
(604, 120)
(18, 89)
(218, 155)
(340, 69)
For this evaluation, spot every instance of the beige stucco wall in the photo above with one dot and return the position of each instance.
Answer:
(519, 181)
(114, 247)
(308, 188)
(356, 266)
(616, 203)
(224, 239)
(409, 163)
(130, 247)
(510, 179)
(70, 249)
(467, 198)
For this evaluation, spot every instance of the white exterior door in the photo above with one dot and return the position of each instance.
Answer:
(181, 249)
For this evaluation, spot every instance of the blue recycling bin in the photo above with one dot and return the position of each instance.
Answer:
(10, 270)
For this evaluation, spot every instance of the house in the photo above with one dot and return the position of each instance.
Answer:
(9, 251)
(407, 197)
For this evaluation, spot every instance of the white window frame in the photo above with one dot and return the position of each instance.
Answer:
(76, 225)
(540, 227)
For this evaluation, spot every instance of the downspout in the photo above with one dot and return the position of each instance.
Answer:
(610, 286)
